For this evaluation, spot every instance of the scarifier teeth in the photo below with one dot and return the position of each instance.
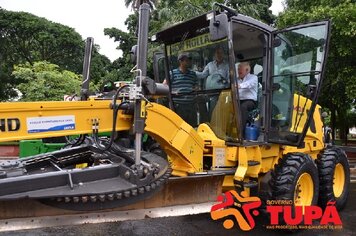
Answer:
(102, 198)
(127, 193)
(134, 192)
(93, 198)
(111, 197)
(84, 199)
(118, 195)
(141, 190)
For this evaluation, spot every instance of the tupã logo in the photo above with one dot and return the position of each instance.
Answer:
(238, 206)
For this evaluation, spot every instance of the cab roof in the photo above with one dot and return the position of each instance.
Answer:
(187, 28)
(199, 25)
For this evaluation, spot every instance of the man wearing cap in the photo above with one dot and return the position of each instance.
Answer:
(183, 82)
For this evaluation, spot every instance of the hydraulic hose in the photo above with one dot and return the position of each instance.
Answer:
(115, 108)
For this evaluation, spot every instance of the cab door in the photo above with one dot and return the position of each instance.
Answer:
(297, 64)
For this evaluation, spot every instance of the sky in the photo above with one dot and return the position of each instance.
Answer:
(88, 18)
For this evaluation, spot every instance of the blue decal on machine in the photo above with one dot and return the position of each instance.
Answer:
(50, 124)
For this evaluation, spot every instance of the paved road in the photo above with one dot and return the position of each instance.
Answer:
(192, 225)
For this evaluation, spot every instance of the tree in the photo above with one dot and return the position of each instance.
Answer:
(123, 64)
(43, 81)
(339, 87)
(258, 9)
(101, 66)
(26, 38)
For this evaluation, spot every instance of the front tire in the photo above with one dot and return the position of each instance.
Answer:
(334, 177)
(295, 178)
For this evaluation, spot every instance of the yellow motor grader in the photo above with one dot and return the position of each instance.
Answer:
(286, 159)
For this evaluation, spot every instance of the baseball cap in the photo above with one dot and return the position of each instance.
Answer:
(184, 55)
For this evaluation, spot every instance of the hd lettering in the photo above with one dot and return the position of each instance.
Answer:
(9, 124)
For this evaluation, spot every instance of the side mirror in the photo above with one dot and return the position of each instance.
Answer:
(218, 27)
(133, 53)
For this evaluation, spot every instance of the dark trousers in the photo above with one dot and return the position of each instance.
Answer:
(246, 106)
(188, 112)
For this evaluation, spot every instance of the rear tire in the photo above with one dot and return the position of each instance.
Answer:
(295, 178)
(334, 177)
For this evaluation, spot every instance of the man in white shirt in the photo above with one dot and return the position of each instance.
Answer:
(247, 87)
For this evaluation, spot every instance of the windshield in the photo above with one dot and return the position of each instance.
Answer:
(199, 79)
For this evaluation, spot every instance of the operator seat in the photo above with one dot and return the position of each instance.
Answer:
(222, 116)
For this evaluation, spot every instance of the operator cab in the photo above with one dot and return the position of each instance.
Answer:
(287, 63)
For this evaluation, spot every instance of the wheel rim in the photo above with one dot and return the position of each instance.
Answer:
(339, 180)
(304, 190)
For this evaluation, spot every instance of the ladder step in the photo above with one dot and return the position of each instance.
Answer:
(253, 163)
(249, 184)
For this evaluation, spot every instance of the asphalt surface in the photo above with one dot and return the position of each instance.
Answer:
(194, 225)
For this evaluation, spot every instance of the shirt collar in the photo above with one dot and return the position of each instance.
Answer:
(245, 76)
(216, 63)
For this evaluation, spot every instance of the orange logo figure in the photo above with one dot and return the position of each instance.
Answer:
(231, 205)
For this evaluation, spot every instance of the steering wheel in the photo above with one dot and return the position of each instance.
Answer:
(216, 81)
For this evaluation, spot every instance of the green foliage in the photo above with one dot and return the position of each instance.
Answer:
(127, 40)
(6, 88)
(122, 65)
(100, 67)
(258, 9)
(25, 38)
(28, 38)
(43, 81)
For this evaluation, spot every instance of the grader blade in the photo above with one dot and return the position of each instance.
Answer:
(175, 192)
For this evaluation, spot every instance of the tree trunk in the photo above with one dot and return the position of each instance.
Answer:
(343, 125)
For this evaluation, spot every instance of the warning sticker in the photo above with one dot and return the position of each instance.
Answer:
(50, 123)
(220, 156)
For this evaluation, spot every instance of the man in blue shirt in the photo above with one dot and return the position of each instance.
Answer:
(183, 82)
(247, 87)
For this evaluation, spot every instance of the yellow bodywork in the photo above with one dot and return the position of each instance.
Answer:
(186, 147)
(85, 113)
(313, 140)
